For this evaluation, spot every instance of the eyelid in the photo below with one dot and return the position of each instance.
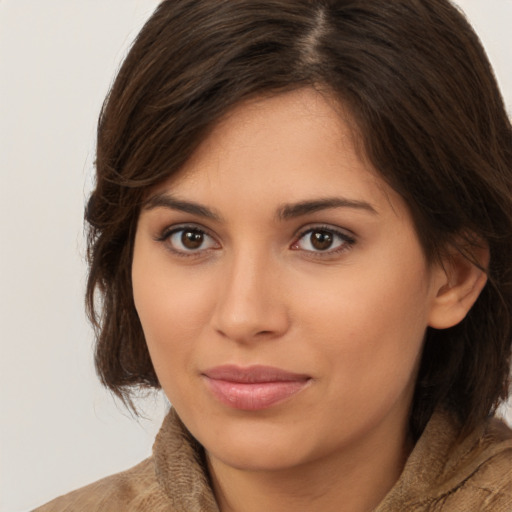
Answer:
(346, 235)
(165, 235)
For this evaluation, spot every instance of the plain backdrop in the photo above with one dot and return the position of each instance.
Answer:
(59, 429)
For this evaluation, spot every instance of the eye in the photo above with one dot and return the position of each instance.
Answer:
(188, 240)
(323, 240)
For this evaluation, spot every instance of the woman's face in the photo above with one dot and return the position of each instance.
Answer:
(282, 290)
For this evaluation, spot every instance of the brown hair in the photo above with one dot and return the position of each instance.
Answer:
(430, 117)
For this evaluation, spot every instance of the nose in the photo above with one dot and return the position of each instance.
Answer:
(251, 304)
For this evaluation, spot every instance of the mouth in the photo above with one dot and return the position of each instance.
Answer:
(255, 387)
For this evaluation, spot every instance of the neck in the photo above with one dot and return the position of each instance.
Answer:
(357, 478)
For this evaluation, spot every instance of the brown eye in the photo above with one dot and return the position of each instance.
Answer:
(192, 239)
(189, 240)
(321, 240)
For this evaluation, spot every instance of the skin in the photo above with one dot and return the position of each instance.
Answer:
(352, 316)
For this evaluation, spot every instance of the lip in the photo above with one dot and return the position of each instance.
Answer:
(255, 387)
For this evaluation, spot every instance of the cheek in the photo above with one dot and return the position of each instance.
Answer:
(370, 322)
(369, 303)
(368, 336)
(173, 308)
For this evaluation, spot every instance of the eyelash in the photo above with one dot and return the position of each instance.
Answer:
(168, 233)
(347, 241)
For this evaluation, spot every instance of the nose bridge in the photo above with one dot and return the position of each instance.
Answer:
(249, 303)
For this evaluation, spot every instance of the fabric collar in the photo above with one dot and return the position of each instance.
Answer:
(438, 464)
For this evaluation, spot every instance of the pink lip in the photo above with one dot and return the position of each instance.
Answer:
(255, 387)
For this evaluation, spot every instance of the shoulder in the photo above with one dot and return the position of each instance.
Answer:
(445, 473)
(476, 473)
(488, 466)
(134, 490)
(174, 478)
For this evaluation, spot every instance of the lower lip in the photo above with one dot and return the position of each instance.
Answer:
(254, 396)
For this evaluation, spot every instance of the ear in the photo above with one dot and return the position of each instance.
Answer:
(457, 285)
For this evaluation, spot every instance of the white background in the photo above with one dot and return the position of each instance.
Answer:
(59, 429)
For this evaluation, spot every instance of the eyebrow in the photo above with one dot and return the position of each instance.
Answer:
(285, 212)
(289, 211)
(172, 203)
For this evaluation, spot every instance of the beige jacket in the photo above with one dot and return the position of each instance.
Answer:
(440, 475)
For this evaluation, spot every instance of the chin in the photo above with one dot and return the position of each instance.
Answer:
(258, 447)
(257, 457)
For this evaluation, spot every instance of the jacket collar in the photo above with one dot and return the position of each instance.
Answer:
(181, 468)
(438, 464)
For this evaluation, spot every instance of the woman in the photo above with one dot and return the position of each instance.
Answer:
(301, 230)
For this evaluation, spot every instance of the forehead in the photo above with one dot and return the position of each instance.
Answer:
(286, 148)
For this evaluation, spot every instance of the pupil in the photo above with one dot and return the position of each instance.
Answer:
(192, 239)
(321, 240)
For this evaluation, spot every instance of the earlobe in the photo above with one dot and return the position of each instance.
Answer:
(459, 282)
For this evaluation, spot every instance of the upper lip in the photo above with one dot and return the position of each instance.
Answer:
(253, 374)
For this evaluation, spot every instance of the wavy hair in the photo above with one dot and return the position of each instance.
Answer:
(429, 117)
